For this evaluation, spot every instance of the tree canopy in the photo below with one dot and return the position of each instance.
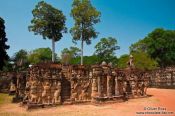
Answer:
(39, 55)
(122, 61)
(159, 45)
(73, 51)
(48, 22)
(3, 46)
(85, 17)
(141, 61)
(155, 49)
(20, 58)
(88, 60)
(69, 54)
(20, 55)
(105, 49)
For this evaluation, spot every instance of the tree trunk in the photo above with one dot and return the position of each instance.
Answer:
(53, 50)
(82, 52)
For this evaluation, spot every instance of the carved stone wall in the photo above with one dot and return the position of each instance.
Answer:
(162, 78)
(50, 84)
(111, 84)
(43, 84)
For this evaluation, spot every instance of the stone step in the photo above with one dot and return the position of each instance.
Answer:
(67, 102)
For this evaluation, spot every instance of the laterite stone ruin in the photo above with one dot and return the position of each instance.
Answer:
(50, 84)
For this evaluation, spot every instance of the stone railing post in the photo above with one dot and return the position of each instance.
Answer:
(99, 87)
(96, 82)
(116, 86)
(109, 86)
(94, 88)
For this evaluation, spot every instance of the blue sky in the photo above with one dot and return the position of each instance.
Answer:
(126, 20)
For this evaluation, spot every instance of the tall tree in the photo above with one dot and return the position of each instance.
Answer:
(85, 17)
(105, 49)
(48, 22)
(3, 47)
(160, 45)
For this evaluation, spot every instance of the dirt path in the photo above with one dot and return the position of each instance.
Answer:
(163, 100)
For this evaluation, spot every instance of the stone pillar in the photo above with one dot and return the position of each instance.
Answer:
(96, 81)
(109, 86)
(99, 87)
(94, 88)
(116, 86)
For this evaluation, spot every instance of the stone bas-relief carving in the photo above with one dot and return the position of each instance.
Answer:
(46, 95)
(162, 78)
(33, 92)
(57, 94)
(43, 85)
(80, 89)
(53, 84)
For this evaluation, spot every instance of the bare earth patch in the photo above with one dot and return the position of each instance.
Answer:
(162, 99)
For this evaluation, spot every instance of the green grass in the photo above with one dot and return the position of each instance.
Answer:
(5, 99)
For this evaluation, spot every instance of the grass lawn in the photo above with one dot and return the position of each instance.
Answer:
(5, 99)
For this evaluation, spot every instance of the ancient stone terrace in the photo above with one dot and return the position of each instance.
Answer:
(53, 84)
